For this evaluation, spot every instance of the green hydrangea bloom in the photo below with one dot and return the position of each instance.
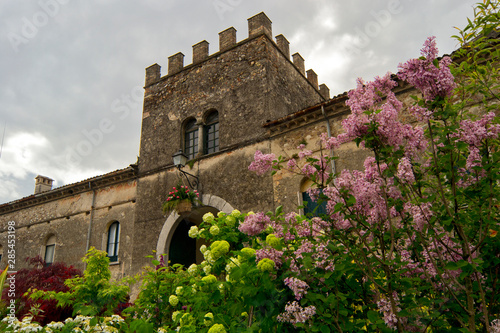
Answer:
(178, 290)
(214, 230)
(230, 221)
(193, 269)
(273, 241)
(246, 253)
(219, 248)
(217, 328)
(208, 217)
(173, 300)
(221, 214)
(266, 264)
(193, 232)
(235, 213)
(233, 262)
(269, 230)
(209, 279)
(208, 319)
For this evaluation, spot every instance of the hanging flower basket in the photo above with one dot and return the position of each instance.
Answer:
(181, 200)
(184, 207)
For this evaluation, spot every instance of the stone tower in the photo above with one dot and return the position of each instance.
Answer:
(248, 83)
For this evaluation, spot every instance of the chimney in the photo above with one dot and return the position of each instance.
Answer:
(227, 39)
(260, 24)
(313, 78)
(175, 63)
(152, 74)
(42, 184)
(283, 45)
(200, 52)
(298, 61)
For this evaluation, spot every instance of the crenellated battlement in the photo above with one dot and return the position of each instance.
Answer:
(258, 25)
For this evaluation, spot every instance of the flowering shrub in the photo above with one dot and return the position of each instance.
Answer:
(180, 193)
(44, 277)
(90, 294)
(80, 323)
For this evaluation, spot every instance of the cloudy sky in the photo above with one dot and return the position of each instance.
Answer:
(72, 71)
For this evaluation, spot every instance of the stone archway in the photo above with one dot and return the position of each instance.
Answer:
(211, 203)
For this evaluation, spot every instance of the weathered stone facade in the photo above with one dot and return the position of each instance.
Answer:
(265, 100)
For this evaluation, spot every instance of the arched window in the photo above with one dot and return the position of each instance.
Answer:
(311, 204)
(191, 139)
(50, 249)
(211, 131)
(113, 241)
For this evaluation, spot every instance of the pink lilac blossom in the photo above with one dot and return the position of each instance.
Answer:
(270, 253)
(329, 142)
(283, 229)
(367, 188)
(295, 314)
(303, 153)
(291, 164)
(262, 163)
(368, 107)
(384, 307)
(318, 252)
(421, 214)
(313, 193)
(298, 287)
(474, 132)
(317, 170)
(254, 224)
(495, 326)
(433, 81)
(405, 171)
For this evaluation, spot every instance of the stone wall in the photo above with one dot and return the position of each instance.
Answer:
(68, 219)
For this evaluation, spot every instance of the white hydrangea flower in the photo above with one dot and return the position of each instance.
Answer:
(192, 269)
(193, 232)
(214, 230)
(208, 217)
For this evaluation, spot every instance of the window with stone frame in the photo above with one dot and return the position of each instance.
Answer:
(113, 241)
(191, 139)
(311, 206)
(50, 249)
(211, 133)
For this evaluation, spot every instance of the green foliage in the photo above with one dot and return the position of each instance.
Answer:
(93, 293)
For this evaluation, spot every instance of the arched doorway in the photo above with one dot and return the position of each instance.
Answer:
(174, 237)
(182, 249)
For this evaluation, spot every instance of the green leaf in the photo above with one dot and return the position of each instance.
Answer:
(372, 316)
(325, 329)
(93, 321)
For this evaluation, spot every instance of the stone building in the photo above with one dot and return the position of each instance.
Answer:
(250, 95)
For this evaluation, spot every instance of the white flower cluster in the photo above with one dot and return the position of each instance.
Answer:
(106, 325)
